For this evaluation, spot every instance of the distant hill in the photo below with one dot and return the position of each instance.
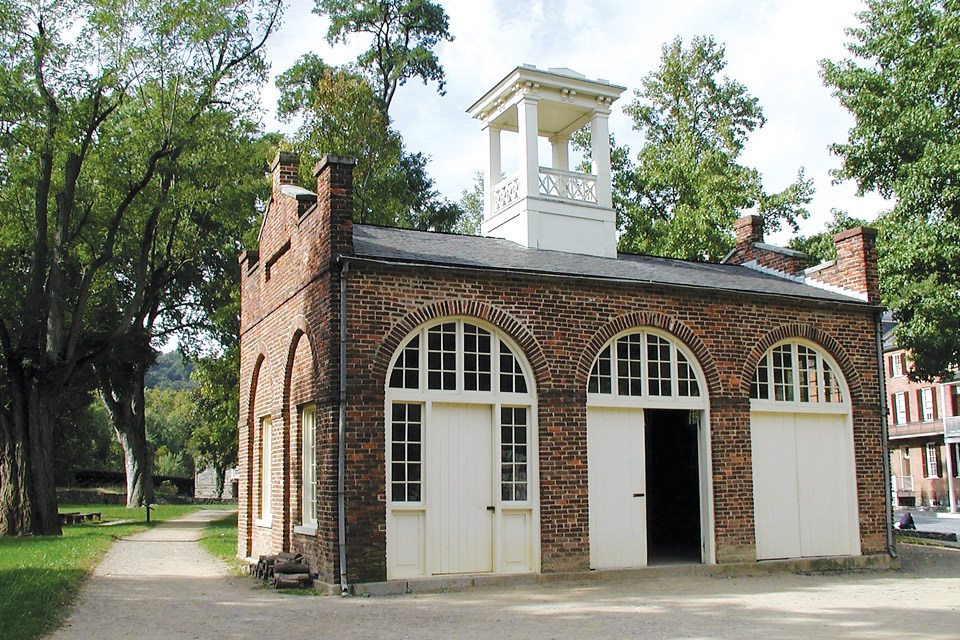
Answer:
(170, 372)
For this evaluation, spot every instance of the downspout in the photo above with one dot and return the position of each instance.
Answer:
(888, 498)
(341, 456)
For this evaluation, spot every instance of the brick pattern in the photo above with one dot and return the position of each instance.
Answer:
(856, 265)
(748, 231)
(559, 323)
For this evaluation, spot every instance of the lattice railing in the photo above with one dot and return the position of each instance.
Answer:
(568, 185)
(506, 192)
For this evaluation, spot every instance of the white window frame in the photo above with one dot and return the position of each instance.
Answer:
(308, 470)
(645, 400)
(926, 404)
(820, 405)
(266, 473)
(933, 469)
(900, 416)
(896, 365)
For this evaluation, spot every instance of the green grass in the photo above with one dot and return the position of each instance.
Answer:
(39, 576)
(220, 539)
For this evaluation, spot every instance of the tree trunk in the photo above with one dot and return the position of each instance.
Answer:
(123, 398)
(221, 473)
(28, 494)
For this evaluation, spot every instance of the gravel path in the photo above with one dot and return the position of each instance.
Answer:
(161, 584)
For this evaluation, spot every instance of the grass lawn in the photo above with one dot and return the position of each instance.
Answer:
(40, 575)
(220, 539)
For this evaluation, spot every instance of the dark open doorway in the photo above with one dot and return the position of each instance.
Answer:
(673, 487)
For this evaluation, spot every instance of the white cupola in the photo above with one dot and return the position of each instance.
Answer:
(549, 207)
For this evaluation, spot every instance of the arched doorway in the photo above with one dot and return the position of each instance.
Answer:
(648, 453)
(801, 432)
(461, 453)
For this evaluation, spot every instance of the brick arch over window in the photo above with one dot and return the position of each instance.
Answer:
(813, 334)
(255, 390)
(671, 325)
(507, 323)
(298, 330)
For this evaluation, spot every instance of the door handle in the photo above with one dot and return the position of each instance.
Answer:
(639, 495)
(491, 508)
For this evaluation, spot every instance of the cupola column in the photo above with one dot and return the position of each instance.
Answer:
(561, 157)
(600, 155)
(529, 161)
(493, 170)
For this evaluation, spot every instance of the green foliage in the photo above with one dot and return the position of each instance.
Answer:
(404, 34)
(84, 438)
(471, 202)
(169, 424)
(902, 86)
(688, 189)
(820, 246)
(340, 114)
(170, 371)
(220, 539)
(216, 413)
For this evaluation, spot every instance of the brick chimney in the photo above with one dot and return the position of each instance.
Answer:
(748, 232)
(335, 202)
(856, 266)
(285, 170)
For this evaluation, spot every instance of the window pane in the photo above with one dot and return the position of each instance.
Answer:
(405, 450)
(783, 373)
(658, 366)
(442, 356)
(513, 453)
(601, 380)
(308, 464)
(629, 377)
(686, 379)
(511, 375)
(407, 368)
(476, 358)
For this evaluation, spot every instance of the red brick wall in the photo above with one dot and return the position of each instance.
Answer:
(856, 264)
(560, 324)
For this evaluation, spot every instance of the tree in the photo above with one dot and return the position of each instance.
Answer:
(404, 34)
(98, 102)
(216, 413)
(820, 246)
(471, 202)
(688, 188)
(902, 87)
(340, 114)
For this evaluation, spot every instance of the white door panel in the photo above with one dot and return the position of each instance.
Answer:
(616, 474)
(825, 496)
(459, 479)
(804, 485)
(775, 486)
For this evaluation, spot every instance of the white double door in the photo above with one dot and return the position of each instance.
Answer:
(616, 476)
(462, 526)
(804, 485)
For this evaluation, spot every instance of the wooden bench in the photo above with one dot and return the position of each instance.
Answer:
(76, 517)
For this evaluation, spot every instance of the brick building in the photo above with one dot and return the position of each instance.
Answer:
(923, 416)
(416, 404)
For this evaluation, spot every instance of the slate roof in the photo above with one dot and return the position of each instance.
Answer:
(422, 247)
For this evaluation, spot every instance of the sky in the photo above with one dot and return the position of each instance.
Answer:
(772, 47)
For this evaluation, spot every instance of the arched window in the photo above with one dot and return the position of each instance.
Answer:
(645, 363)
(796, 371)
(459, 357)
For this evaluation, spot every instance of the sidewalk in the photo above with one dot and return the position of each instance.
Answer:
(161, 584)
